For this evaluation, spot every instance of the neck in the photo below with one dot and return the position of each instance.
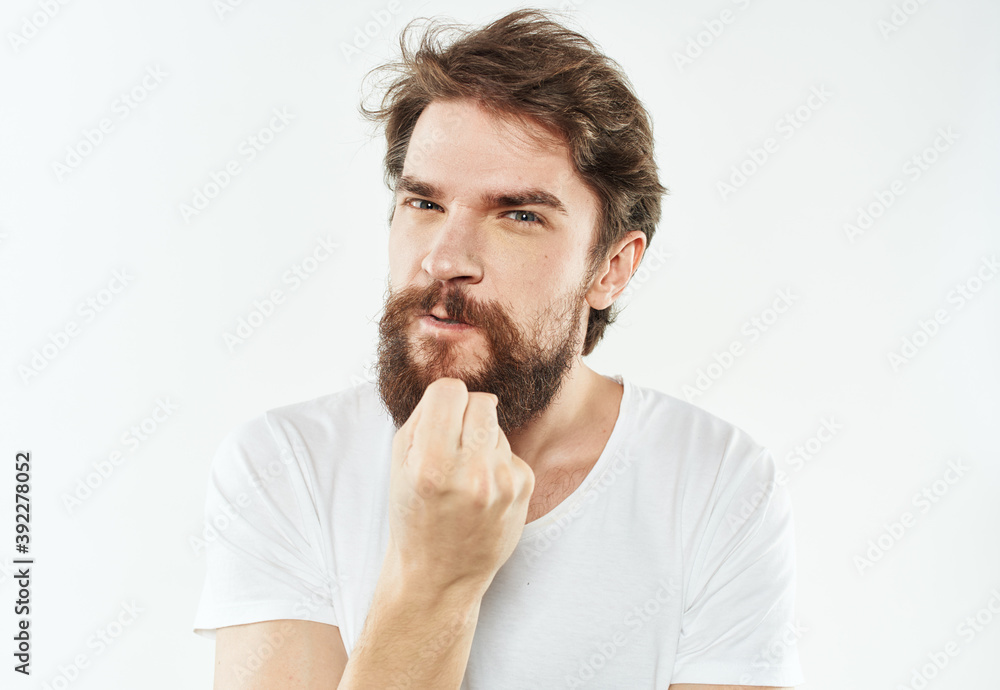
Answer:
(582, 404)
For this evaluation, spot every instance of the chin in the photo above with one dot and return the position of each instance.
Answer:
(459, 365)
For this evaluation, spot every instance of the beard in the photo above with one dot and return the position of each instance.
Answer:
(524, 374)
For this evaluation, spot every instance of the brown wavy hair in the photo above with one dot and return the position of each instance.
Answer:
(526, 65)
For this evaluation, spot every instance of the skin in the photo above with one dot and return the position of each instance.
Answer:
(526, 267)
(453, 236)
(503, 254)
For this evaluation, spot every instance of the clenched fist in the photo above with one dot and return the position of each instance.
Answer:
(458, 496)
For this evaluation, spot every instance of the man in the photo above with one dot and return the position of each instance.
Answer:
(493, 513)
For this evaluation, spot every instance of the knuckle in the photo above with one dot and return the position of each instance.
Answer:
(504, 443)
(527, 476)
(487, 401)
(504, 478)
(429, 483)
(447, 384)
(480, 489)
(480, 435)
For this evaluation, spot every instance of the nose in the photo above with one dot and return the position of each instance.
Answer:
(455, 249)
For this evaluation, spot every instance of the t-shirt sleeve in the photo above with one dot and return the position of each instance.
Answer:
(738, 624)
(262, 534)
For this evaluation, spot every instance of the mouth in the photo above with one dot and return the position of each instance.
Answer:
(439, 323)
(448, 321)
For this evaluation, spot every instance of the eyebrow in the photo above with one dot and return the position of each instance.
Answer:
(520, 197)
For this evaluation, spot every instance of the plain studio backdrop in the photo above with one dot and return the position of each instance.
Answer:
(824, 276)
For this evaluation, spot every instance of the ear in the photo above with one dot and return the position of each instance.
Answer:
(613, 275)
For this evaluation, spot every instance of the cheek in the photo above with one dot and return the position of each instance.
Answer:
(530, 288)
(546, 275)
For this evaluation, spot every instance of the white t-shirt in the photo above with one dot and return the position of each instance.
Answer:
(672, 562)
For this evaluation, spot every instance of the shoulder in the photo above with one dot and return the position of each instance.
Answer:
(346, 409)
(298, 429)
(706, 461)
(689, 431)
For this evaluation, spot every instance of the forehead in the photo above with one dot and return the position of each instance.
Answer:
(460, 148)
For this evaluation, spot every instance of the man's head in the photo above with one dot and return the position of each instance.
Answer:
(525, 194)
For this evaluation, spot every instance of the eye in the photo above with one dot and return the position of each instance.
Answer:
(424, 205)
(526, 217)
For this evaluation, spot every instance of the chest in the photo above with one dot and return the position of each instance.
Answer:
(555, 486)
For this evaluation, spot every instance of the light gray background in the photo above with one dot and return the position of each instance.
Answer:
(722, 261)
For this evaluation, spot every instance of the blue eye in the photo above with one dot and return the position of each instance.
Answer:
(424, 204)
(525, 217)
(520, 217)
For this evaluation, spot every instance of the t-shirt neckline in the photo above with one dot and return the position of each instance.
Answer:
(533, 528)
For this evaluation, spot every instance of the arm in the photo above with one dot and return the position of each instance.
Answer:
(458, 501)
(414, 636)
(291, 654)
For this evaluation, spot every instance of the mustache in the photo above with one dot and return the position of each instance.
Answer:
(515, 365)
(456, 302)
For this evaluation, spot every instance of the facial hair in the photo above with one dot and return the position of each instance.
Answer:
(517, 367)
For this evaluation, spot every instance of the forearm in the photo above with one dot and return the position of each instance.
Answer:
(414, 638)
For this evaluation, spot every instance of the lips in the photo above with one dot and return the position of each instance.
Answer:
(442, 315)
(452, 322)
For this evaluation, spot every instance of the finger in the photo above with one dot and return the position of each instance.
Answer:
(503, 443)
(526, 477)
(441, 410)
(479, 426)
(402, 440)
